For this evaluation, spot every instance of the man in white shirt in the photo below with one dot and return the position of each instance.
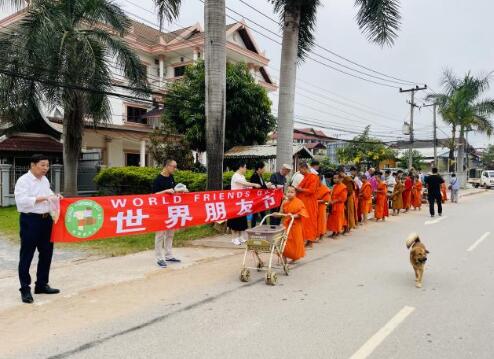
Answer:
(32, 194)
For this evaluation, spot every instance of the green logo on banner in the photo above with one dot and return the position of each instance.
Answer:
(84, 218)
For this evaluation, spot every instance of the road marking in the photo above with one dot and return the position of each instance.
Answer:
(478, 241)
(434, 221)
(374, 341)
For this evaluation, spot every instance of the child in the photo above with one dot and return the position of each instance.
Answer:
(398, 197)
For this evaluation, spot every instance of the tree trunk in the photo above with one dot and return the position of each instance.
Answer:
(215, 62)
(286, 101)
(73, 128)
(461, 151)
(451, 165)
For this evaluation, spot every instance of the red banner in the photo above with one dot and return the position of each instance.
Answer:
(83, 219)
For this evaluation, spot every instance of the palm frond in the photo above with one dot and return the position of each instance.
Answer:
(483, 125)
(167, 10)
(379, 20)
(109, 13)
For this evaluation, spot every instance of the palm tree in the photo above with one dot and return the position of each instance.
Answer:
(60, 54)
(378, 19)
(215, 61)
(463, 106)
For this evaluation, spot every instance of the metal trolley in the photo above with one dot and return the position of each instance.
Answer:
(266, 239)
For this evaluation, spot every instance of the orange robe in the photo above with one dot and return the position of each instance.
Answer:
(444, 192)
(336, 219)
(310, 183)
(351, 208)
(294, 247)
(407, 193)
(381, 201)
(323, 194)
(417, 195)
(365, 200)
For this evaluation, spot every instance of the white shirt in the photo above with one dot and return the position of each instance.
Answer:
(238, 181)
(297, 179)
(391, 183)
(27, 188)
(313, 171)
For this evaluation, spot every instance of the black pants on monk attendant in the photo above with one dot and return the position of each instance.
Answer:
(35, 232)
(435, 197)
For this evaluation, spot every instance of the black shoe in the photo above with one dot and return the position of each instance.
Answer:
(432, 215)
(26, 296)
(46, 289)
(440, 214)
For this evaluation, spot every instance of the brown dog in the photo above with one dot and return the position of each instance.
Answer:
(418, 257)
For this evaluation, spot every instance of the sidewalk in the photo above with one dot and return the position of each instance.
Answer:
(82, 274)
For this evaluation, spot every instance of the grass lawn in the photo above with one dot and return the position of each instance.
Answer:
(9, 227)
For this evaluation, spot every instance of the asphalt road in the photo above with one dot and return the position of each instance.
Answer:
(352, 298)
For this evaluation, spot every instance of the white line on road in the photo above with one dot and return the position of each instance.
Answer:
(478, 241)
(374, 341)
(434, 221)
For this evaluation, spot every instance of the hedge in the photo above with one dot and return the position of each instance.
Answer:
(138, 180)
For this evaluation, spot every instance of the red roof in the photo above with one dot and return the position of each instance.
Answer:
(314, 145)
(308, 134)
(31, 143)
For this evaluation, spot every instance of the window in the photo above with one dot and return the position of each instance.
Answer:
(134, 114)
(179, 71)
(132, 159)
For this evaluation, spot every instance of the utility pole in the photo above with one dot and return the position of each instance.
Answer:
(434, 111)
(412, 106)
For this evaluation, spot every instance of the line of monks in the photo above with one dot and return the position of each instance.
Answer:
(318, 210)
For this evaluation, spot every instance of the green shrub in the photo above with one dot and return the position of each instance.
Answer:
(139, 180)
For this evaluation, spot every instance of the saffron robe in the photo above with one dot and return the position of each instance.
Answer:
(294, 247)
(351, 209)
(417, 194)
(444, 192)
(323, 194)
(407, 193)
(381, 201)
(310, 183)
(336, 219)
(365, 200)
(397, 196)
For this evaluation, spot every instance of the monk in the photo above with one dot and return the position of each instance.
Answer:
(417, 194)
(381, 198)
(306, 192)
(336, 219)
(351, 209)
(407, 193)
(323, 195)
(365, 198)
(294, 247)
(444, 192)
(397, 196)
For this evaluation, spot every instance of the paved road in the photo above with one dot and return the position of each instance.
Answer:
(352, 298)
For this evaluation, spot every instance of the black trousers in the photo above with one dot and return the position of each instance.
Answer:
(257, 218)
(35, 234)
(435, 197)
(275, 221)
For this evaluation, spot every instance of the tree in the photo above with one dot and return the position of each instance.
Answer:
(166, 144)
(464, 106)
(58, 54)
(378, 19)
(215, 60)
(488, 157)
(248, 108)
(364, 150)
(417, 160)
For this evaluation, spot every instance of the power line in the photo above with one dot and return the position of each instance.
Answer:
(398, 80)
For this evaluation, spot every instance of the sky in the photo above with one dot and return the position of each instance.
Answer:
(434, 36)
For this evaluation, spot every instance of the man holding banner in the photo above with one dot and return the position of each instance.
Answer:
(163, 240)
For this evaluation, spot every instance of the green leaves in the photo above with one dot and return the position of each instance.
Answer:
(379, 20)
(248, 108)
(364, 149)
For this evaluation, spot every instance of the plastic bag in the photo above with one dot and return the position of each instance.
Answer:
(54, 203)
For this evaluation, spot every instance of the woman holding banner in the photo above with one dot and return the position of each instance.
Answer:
(239, 225)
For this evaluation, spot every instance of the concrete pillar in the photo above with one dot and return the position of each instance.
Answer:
(5, 198)
(142, 161)
(162, 70)
(57, 177)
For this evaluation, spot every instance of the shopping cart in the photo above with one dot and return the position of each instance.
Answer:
(266, 239)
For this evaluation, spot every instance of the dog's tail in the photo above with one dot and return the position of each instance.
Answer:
(412, 239)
